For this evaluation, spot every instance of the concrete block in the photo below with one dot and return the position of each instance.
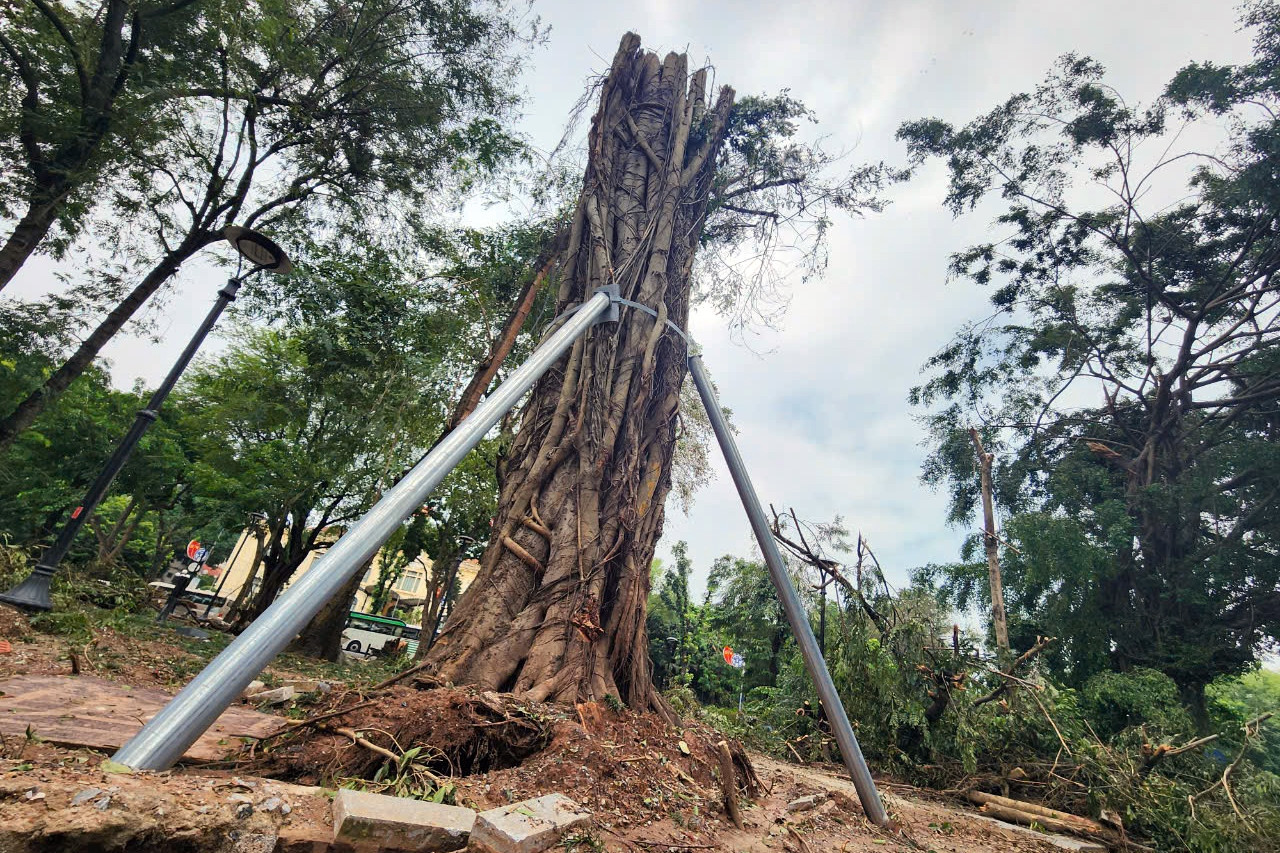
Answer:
(530, 826)
(273, 697)
(395, 823)
(803, 804)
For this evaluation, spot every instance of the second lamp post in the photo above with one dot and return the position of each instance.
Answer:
(33, 593)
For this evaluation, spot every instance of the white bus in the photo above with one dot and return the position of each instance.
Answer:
(366, 634)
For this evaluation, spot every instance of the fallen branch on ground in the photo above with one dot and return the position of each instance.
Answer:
(983, 799)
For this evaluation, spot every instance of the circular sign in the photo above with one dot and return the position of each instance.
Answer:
(728, 655)
(200, 554)
(192, 547)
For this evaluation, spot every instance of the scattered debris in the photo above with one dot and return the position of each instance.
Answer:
(310, 685)
(803, 804)
(278, 696)
(85, 796)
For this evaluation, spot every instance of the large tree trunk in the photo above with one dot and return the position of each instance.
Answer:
(558, 609)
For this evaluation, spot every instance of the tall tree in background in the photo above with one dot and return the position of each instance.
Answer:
(86, 83)
(558, 609)
(1132, 370)
(312, 118)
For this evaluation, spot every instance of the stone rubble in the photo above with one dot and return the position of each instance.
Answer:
(530, 826)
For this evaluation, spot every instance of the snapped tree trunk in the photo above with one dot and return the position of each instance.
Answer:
(992, 544)
(557, 611)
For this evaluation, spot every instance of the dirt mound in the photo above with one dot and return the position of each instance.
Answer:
(496, 748)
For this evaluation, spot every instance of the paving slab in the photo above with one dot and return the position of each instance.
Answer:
(85, 711)
(529, 826)
(395, 823)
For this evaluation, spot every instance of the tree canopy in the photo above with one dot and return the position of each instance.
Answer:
(1127, 379)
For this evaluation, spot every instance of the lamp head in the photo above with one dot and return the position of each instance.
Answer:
(258, 250)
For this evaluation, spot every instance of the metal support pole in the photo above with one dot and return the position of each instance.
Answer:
(33, 592)
(163, 740)
(791, 606)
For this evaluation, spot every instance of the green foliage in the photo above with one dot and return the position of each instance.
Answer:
(1115, 701)
(1081, 750)
(1145, 524)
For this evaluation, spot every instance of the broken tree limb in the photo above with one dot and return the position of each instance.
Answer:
(1018, 816)
(728, 780)
(983, 799)
(1152, 757)
(1042, 643)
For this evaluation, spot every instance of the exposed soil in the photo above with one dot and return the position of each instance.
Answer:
(650, 785)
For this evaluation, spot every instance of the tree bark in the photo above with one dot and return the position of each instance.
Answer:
(28, 233)
(557, 611)
(992, 544)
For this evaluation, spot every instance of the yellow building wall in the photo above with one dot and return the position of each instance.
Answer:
(412, 584)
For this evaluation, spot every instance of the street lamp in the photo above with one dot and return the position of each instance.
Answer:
(33, 593)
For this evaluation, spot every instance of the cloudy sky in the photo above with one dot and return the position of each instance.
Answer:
(821, 403)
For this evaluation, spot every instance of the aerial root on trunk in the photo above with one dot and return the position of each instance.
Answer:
(524, 556)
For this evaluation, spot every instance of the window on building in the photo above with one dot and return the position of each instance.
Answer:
(411, 583)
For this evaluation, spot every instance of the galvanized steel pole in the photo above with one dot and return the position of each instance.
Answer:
(163, 740)
(791, 606)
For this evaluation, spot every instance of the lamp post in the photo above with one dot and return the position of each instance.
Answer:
(33, 593)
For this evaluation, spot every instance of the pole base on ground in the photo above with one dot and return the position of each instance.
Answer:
(32, 593)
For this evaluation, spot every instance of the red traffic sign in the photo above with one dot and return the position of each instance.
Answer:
(728, 655)
(192, 547)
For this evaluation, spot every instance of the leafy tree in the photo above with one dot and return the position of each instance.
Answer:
(87, 83)
(313, 118)
(310, 419)
(749, 616)
(54, 463)
(1129, 373)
